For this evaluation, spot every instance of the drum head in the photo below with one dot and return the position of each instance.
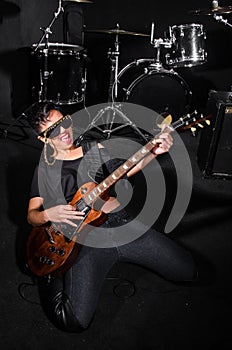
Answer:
(58, 48)
(161, 92)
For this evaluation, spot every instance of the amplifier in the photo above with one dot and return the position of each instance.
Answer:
(214, 153)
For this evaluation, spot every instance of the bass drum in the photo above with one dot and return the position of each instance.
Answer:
(160, 90)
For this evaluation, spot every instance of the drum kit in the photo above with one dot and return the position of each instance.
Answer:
(61, 68)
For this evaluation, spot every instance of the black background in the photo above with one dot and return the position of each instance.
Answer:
(21, 29)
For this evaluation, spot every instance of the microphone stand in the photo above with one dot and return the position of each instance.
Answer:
(47, 31)
(45, 74)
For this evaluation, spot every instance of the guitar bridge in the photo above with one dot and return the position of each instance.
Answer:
(49, 233)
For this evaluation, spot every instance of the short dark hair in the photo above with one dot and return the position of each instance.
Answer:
(39, 112)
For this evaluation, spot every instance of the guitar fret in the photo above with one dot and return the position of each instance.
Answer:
(153, 142)
(117, 173)
(144, 150)
(94, 193)
(133, 159)
(89, 196)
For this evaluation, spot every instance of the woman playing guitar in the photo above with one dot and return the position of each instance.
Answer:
(71, 298)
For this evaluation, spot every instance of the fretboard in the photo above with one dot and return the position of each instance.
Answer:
(104, 186)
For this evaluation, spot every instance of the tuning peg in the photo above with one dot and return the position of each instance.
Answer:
(200, 125)
(193, 131)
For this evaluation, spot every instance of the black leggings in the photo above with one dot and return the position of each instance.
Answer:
(75, 297)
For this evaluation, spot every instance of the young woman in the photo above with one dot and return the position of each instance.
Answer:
(70, 301)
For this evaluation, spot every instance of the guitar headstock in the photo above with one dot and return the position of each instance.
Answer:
(193, 121)
(196, 122)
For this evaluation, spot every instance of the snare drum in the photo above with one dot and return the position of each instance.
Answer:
(58, 73)
(188, 46)
(160, 90)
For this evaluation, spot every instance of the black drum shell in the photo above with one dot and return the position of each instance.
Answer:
(58, 73)
(160, 90)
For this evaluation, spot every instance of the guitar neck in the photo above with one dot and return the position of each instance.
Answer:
(104, 186)
(108, 182)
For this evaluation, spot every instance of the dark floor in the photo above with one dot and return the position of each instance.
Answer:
(137, 308)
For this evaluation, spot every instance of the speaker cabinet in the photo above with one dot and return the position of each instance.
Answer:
(215, 147)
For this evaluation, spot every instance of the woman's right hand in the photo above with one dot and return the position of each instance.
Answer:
(64, 213)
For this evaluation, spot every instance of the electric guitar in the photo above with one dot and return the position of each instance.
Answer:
(49, 249)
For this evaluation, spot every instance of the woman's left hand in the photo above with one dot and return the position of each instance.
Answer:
(164, 142)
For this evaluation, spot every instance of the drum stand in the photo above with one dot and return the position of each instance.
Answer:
(157, 44)
(112, 109)
(113, 86)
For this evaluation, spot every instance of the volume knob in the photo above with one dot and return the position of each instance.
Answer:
(83, 190)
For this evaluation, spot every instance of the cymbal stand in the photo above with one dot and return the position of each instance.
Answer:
(113, 83)
(115, 109)
(46, 32)
(220, 19)
(113, 89)
(114, 57)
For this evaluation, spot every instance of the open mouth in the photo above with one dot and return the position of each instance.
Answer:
(65, 137)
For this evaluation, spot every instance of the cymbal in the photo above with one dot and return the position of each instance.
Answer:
(88, 1)
(213, 11)
(115, 31)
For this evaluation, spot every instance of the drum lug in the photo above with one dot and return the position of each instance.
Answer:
(127, 92)
(75, 96)
(83, 84)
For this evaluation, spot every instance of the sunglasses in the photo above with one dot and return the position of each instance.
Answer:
(54, 129)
